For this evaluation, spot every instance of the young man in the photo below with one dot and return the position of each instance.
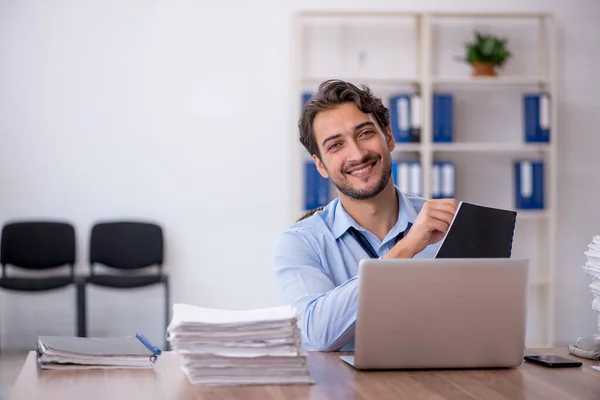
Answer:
(347, 132)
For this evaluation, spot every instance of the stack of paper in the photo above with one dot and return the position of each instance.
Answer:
(253, 347)
(592, 268)
(58, 352)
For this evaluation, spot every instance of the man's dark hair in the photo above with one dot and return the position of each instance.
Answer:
(331, 94)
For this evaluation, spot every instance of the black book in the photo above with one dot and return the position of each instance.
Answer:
(479, 232)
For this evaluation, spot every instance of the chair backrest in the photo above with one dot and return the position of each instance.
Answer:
(37, 245)
(126, 245)
(310, 213)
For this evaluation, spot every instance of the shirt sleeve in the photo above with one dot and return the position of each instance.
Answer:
(326, 313)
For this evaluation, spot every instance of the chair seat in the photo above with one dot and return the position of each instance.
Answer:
(120, 281)
(36, 284)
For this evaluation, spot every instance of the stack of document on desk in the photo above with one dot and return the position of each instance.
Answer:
(58, 352)
(253, 347)
(592, 268)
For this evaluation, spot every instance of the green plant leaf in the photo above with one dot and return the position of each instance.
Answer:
(487, 48)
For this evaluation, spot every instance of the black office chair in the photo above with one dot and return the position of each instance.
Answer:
(128, 247)
(39, 245)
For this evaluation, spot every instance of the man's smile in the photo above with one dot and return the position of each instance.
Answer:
(362, 170)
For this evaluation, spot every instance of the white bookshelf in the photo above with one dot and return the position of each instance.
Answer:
(413, 52)
(381, 80)
(485, 81)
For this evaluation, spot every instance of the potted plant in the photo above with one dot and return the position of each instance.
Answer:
(486, 53)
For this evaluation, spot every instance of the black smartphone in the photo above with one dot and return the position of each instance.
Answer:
(553, 361)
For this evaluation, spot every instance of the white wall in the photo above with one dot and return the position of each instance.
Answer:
(179, 112)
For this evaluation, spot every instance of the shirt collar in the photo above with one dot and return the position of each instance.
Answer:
(406, 214)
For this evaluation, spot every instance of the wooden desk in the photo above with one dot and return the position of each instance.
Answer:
(334, 380)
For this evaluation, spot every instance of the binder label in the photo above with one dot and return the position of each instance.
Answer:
(402, 105)
(415, 111)
(447, 180)
(526, 179)
(544, 111)
(435, 181)
(415, 178)
(403, 177)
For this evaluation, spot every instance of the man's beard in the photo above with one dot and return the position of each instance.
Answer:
(344, 186)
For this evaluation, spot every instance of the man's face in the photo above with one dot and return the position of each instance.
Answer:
(355, 152)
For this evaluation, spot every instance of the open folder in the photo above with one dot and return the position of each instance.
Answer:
(479, 232)
(62, 352)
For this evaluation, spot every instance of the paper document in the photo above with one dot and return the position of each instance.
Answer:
(189, 315)
(592, 268)
(249, 347)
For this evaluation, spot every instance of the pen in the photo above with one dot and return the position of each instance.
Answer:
(147, 343)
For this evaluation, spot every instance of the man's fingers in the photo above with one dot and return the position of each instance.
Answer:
(446, 205)
(439, 225)
(441, 215)
(446, 201)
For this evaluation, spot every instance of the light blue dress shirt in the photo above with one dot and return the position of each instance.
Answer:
(316, 268)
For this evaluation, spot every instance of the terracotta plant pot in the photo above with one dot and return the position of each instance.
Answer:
(483, 69)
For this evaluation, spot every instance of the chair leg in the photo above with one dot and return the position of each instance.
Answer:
(167, 311)
(81, 308)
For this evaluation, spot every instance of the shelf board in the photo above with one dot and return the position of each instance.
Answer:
(387, 80)
(357, 14)
(404, 14)
(505, 15)
(489, 81)
(490, 147)
(437, 80)
(402, 147)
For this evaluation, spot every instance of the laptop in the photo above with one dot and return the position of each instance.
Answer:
(440, 313)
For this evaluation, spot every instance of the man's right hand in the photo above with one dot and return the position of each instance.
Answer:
(431, 225)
